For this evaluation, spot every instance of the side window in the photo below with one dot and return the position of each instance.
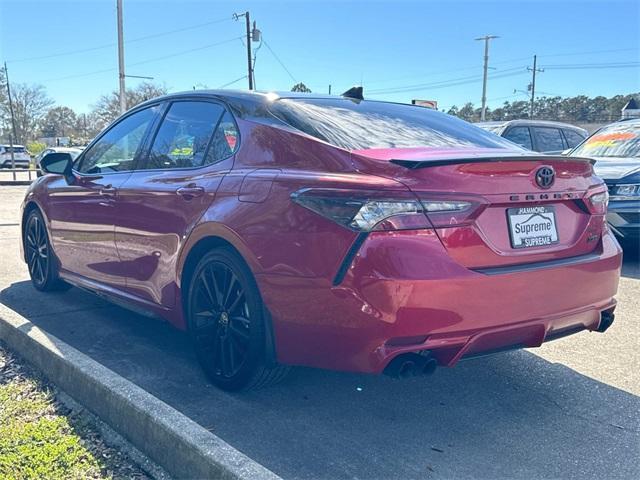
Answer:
(548, 139)
(225, 140)
(572, 137)
(183, 136)
(519, 135)
(115, 151)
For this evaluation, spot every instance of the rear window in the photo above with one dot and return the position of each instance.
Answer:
(15, 150)
(359, 125)
(618, 140)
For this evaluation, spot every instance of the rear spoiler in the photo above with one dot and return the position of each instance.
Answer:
(437, 162)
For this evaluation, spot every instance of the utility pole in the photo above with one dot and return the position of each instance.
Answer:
(486, 39)
(13, 121)
(252, 35)
(122, 93)
(532, 86)
(249, 62)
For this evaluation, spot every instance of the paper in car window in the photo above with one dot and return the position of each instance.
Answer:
(609, 139)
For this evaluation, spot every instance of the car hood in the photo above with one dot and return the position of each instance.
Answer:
(614, 168)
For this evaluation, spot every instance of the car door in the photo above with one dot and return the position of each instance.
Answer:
(82, 214)
(548, 140)
(187, 159)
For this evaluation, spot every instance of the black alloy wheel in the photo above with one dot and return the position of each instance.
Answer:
(227, 324)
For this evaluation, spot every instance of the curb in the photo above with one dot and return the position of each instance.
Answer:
(15, 182)
(175, 442)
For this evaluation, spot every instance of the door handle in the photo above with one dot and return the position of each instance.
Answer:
(190, 191)
(108, 191)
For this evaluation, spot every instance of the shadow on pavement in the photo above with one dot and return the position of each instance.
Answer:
(512, 415)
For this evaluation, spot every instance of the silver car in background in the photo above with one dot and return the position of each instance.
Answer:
(538, 135)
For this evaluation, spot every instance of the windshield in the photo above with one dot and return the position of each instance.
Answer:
(618, 140)
(359, 125)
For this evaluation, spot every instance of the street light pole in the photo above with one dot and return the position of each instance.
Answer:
(122, 92)
(486, 39)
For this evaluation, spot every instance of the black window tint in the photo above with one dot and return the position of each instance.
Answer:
(225, 140)
(183, 136)
(115, 151)
(548, 139)
(356, 125)
(519, 135)
(573, 138)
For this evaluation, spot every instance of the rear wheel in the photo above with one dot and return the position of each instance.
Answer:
(40, 260)
(227, 323)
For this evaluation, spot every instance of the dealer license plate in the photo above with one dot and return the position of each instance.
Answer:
(532, 226)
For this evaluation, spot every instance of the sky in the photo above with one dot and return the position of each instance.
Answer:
(397, 50)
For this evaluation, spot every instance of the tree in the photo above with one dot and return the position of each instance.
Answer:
(30, 104)
(107, 108)
(59, 122)
(300, 87)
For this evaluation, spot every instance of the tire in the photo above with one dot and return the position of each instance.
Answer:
(39, 255)
(226, 319)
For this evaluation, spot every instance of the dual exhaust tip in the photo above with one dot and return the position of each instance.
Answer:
(411, 365)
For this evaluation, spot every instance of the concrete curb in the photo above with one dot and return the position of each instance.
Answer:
(178, 444)
(9, 183)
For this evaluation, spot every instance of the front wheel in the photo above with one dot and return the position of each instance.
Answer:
(227, 323)
(39, 256)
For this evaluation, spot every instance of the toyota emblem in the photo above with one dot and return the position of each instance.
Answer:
(545, 177)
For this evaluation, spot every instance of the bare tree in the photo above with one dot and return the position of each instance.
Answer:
(30, 104)
(107, 108)
(59, 122)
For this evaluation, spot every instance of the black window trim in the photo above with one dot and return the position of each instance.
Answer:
(157, 126)
(136, 158)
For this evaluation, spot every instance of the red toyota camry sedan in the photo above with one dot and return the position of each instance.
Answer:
(332, 232)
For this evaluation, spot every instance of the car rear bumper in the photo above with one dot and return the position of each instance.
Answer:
(403, 293)
(6, 163)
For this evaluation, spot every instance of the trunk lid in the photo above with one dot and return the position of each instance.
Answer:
(502, 187)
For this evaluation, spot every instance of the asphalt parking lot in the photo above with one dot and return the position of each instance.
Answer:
(569, 409)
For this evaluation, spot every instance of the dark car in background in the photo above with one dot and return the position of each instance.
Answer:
(538, 135)
(616, 149)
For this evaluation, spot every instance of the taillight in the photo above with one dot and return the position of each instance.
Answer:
(449, 212)
(369, 211)
(597, 200)
(365, 211)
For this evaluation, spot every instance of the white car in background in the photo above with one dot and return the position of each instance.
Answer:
(73, 151)
(21, 157)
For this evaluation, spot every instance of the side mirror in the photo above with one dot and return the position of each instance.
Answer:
(58, 163)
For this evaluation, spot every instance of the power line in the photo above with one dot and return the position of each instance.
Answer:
(232, 82)
(133, 40)
(594, 66)
(452, 82)
(279, 61)
(164, 57)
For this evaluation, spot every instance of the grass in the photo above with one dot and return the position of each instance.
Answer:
(42, 439)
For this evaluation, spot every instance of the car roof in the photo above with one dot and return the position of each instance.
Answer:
(253, 99)
(526, 122)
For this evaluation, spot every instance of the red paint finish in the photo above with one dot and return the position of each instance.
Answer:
(403, 291)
